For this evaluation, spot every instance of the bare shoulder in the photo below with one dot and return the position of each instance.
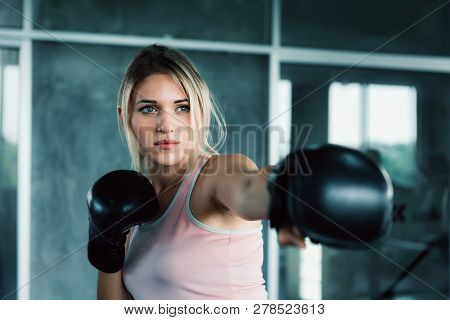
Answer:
(219, 177)
(225, 168)
(228, 164)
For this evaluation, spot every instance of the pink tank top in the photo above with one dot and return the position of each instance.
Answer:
(179, 257)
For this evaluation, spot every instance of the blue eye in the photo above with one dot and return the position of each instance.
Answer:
(145, 108)
(186, 108)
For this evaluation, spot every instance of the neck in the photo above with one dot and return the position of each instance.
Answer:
(164, 178)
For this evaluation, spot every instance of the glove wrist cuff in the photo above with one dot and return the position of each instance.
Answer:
(276, 185)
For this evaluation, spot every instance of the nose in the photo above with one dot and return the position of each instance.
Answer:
(165, 122)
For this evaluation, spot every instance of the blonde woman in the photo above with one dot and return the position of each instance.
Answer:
(185, 223)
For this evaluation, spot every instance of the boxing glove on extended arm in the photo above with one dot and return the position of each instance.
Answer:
(334, 195)
(117, 201)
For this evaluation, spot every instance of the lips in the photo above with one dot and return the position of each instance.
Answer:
(166, 142)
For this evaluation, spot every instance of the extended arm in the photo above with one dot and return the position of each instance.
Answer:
(334, 195)
(239, 185)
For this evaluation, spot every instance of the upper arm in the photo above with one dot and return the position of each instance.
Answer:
(229, 176)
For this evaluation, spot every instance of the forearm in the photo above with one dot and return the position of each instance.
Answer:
(110, 287)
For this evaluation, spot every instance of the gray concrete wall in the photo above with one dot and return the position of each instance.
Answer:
(75, 140)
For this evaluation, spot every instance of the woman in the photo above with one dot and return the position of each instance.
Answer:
(206, 242)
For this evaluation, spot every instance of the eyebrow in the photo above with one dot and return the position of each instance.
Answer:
(155, 102)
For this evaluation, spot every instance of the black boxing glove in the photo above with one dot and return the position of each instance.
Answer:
(334, 195)
(117, 201)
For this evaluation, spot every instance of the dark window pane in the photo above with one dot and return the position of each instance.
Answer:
(226, 20)
(419, 213)
(362, 25)
(11, 13)
(9, 106)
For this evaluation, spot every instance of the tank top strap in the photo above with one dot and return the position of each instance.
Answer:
(190, 180)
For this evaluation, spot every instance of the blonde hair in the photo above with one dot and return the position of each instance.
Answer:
(157, 59)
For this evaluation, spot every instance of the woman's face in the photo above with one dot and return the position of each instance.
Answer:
(161, 120)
